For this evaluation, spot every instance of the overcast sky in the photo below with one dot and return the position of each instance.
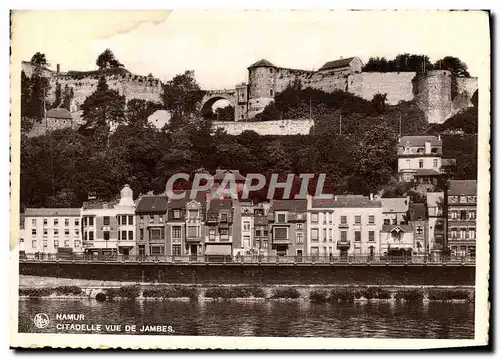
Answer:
(220, 45)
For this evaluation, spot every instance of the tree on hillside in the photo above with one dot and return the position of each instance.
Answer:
(181, 97)
(107, 60)
(25, 94)
(138, 111)
(103, 109)
(39, 59)
(452, 64)
(58, 95)
(67, 96)
(378, 102)
(402, 63)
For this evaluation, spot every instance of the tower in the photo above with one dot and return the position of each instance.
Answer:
(261, 88)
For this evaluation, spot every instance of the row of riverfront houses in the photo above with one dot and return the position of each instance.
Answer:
(207, 225)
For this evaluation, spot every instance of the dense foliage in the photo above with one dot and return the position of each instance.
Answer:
(107, 60)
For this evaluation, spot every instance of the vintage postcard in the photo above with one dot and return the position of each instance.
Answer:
(280, 179)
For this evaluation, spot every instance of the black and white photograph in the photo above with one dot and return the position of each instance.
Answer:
(249, 179)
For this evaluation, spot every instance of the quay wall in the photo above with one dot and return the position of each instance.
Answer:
(257, 274)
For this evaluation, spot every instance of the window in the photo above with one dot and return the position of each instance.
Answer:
(66, 232)
(357, 219)
(45, 243)
(130, 220)
(124, 235)
(84, 236)
(371, 236)
(246, 226)
(246, 241)
(56, 222)
(420, 229)
(300, 239)
(258, 232)
(266, 233)
(33, 232)
(325, 217)
(45, 232)
(280, 233)
(56, 243)
(314, 234)
(33, 222)
(141, 234)
(130, 235)
(176, 249)
(155, 234)
(420, 163)
(77, 232)
(281, 217)
(141, 218)
(343, 219)
(56, 232)
(330, 234)
(324, 235)
(77, 222)
(106, 220)
(91, 235)
(463, 215)
(211, 235)
(472, 233)
(157, 250)
(77, 243)
(176, 232)
(357, 236)
(314, 218)
(66, 243)
(371, 219)
(106, 235)
(454, 232)
(387, 221)
(343, 236)
(176, 213)
(124, 220)
(193, 214)
(453, 214)
(434, 163)
(462, 233)
(66, 222)
(91, 221)
(192, 231)
(472, 214)
(265, 244)
(224, 234)
(300, 226)
(407, 164)
(161, 219)
(33, 243)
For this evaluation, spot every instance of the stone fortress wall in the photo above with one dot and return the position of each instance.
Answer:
(264, 128)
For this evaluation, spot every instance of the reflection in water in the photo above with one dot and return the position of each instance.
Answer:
(267, 318)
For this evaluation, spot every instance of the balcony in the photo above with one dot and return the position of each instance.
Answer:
(281, 241)
(343, 244)
(343, 225)
(193, 239)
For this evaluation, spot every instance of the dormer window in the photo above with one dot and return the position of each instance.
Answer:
(193, 213)
(223, 217)
(281, 217)
(176, 213)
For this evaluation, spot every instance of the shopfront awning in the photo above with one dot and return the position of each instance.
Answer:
(218, 249)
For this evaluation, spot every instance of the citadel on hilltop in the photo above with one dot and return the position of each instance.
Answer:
(437, 93)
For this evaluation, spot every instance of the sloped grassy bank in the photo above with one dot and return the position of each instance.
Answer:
(314, 294)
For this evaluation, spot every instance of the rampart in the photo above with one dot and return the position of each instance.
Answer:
(285, 127)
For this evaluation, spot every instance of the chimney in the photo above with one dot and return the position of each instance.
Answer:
(427, 147)
(58, 68)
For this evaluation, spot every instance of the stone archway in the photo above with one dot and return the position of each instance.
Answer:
(212, 96)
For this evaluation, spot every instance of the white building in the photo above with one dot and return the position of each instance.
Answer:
(48, 229)
(419, 159)
(344, 225)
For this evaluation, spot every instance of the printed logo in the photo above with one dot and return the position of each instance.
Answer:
(41, 320)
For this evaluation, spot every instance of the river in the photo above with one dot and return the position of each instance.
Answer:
(287, 319)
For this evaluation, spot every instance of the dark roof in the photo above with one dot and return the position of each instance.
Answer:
(345, 201)
(216, 205)
(419, 141)
(404, 227)
(260, 221)
(221, 174)
(181, 203)
(261, 63)
(335, 64)
(59, 112)
(462, 187)
(426, 172)
(417, 210)
(293, 205)
(152, 204)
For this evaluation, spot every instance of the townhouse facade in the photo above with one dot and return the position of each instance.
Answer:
(151, 226)
(287, 221)
(108, 227)
(436, 222)
(462, 208)
(48, 230)
(419, 223)
(344, 225)
(219, 228)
